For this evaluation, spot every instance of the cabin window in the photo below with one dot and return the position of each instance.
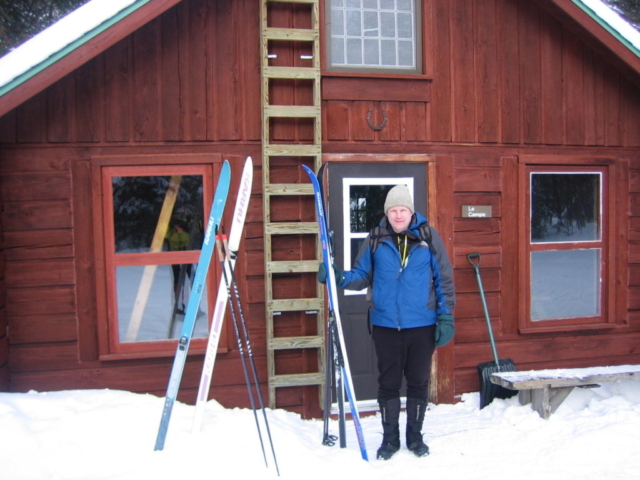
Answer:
(374, 36)
(363, 211)
(568, 275)
(153, 226)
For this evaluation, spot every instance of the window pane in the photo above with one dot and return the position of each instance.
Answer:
(353, 21)
(356, 243)
(366, 204)
(371, 53)
(565, 207)
(147, 309)
(565, 284)
(147, 209)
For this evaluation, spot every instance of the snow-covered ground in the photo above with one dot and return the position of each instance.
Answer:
(108, 434)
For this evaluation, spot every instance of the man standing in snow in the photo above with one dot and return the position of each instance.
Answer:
(413, 297)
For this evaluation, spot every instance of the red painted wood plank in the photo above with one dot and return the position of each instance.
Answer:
(530, 72)
(35, 186)
(61, 103)
(335, 121)
(552, 81)
(118, 102)
(573, 60)
(199, 65)
(147, 118)
(463, 70)
(89, 125)
(487, 70)
(380, 89)
(614, 101)
(8, 127)
(51, 300)
(27, 329)
(440, 106)
(415, 128)
(472, 179)
(392, 129)
(226, 32)
(36, 215)
(32, 120)
(251, 96)
(171, 73)
(358, 112)
(509, 55)
(594, 99)
(40, 273)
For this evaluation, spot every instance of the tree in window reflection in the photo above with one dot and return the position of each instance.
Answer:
(565, 204)
(137, 206)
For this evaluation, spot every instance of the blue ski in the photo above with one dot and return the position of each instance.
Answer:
(334, 312)
(217, 209)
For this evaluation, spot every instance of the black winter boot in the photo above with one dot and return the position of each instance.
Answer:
(390, 410)
(416, 408)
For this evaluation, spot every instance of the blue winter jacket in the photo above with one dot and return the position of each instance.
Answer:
(407, 297)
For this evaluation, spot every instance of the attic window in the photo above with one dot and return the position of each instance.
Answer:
(381, 36)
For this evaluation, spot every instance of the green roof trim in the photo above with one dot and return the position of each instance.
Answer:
(621, 38)
(20, 79)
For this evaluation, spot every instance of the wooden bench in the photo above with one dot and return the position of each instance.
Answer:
(547, 389)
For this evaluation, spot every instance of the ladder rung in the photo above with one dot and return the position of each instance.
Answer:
(295, 305)
(310, 111)
(292, 267)
(310, 73)
(294, 150)
(290, 228)
(288, 343)
(297, 380)
(293, 34)
(288, 189)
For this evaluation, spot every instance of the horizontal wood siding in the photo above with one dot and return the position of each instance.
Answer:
(504, 72)
(504, 79)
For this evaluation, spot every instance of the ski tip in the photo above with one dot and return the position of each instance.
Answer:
(308, 170)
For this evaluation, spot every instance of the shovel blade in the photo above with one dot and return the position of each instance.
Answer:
(488, 390)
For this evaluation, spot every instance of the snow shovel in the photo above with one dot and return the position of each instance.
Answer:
(488, 390)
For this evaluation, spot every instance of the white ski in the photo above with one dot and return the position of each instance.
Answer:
(235, 234)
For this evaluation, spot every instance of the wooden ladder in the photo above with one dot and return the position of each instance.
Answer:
(274, 231)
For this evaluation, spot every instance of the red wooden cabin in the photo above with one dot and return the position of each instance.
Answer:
(501, 99)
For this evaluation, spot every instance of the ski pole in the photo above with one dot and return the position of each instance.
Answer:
(245, 332)
(240, 348)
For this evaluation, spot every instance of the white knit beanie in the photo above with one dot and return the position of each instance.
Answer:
(398, 196)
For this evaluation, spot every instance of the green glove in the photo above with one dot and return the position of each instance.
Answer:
(444, 330)
(322, 274)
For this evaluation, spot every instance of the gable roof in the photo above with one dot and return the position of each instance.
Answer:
(99, 24)
(69, 43)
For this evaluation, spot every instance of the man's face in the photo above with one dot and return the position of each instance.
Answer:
(399, 218)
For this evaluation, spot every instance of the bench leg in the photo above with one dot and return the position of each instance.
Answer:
(546, 400)
(524, 396)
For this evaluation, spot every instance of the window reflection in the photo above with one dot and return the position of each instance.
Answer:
(366, 206)
(565, 284)
(152, 302)
(565, 207)
(155, 213)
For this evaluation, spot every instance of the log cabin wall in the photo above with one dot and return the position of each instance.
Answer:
(185, 83)
(505, 79)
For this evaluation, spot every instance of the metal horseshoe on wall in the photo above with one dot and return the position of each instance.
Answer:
(370, 121)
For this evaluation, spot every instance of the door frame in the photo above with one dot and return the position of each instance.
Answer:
(440, 201)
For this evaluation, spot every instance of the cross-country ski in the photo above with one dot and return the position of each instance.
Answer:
(217, 209)
(334, 312)
(235, 235)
